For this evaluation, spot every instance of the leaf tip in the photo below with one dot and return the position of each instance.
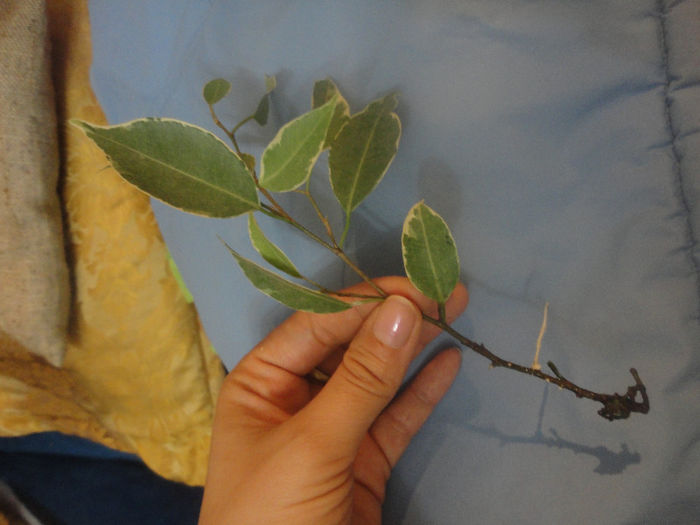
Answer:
(391, 101)
(82, 125)
(270, 83)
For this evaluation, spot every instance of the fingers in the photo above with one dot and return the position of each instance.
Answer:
(397, 425)
(369, 376)
(393, 430)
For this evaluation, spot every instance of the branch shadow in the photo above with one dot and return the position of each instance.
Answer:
(454, 412)
(609, 461)
(375, 245)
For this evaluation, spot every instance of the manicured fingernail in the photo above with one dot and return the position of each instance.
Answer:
(395, 320)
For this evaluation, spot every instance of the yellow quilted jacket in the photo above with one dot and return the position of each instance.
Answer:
(139, 374)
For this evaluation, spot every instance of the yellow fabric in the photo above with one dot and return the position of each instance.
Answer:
(139, 374)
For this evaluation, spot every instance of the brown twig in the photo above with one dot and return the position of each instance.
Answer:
(615, 406)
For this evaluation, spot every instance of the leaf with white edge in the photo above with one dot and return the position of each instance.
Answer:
(323, 91)
(215, 90)
(269, 251)
(286, 292)
(429, 253)
(363, 150)
(181, 164)
(287, 161)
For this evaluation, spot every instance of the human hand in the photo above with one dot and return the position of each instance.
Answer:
(291, 451)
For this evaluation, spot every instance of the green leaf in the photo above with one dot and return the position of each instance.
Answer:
(215, 90)
(429, 253)
(325, 90)
(263, 109)
(287, 161)
(363, 150)
(270, 82)
(287, 292)
(268, 250)
(249, 161)
(178, 163)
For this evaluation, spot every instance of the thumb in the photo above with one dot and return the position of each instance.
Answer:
(369, 376)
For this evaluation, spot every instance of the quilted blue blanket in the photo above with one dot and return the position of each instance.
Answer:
(561, 142)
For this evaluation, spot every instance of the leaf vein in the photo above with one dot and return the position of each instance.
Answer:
(177, 170)
(433, 269)
(360, 165)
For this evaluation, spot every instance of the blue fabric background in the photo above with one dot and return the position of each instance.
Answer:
(559, 139)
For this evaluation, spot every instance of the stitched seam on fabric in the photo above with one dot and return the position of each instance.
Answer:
(662, 13)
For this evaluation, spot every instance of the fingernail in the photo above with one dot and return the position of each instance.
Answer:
(395, 321)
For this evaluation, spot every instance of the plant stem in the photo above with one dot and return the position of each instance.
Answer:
(229, 134)
(275, 213)
(334, 248)
(373, 298)
(343, 257)
(278, 208)
(615, 406)
(442, 314)
(241, 123)
(346, 229)
(232, 136)
(319, 213)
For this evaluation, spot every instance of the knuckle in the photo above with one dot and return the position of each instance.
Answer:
(327, 333)
(240, 384)
(255, 379)
(400, 423)
(369, 373)
(323, 334)
(230, 387)
(423, 395)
